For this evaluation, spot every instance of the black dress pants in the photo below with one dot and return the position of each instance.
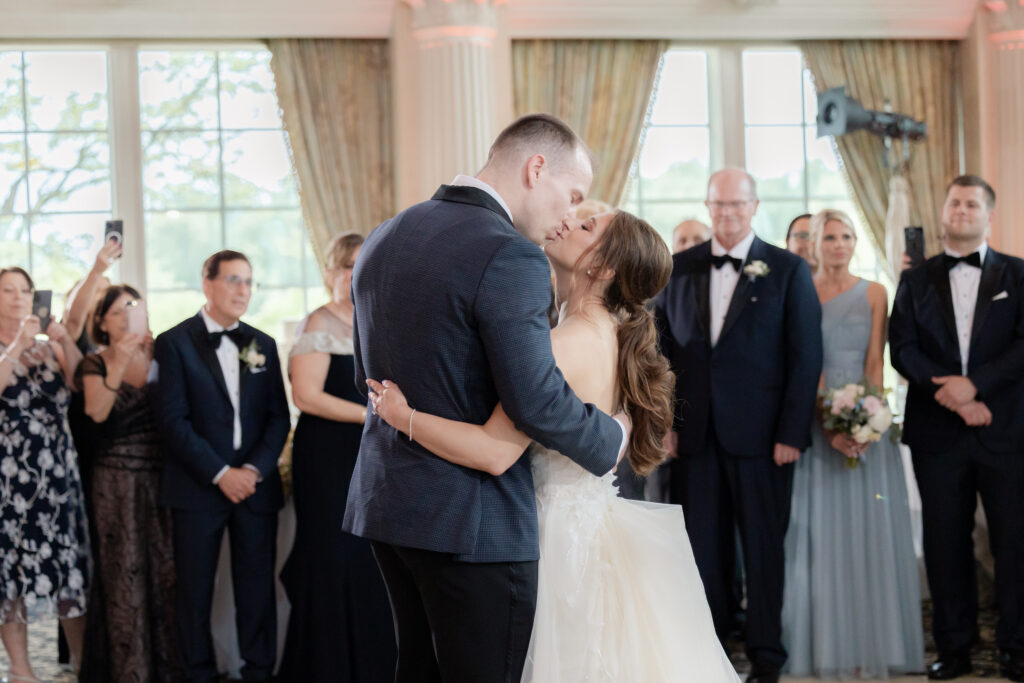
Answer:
(950, 482)
(197, 542)
(458, 621)
(720, 492)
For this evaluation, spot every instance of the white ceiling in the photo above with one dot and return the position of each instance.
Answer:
(695, 20)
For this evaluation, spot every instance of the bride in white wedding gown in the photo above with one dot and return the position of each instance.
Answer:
(619, 598)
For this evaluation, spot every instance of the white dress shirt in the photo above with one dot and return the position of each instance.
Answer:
(471, 181)
(723, 282)
(963, 284)
(227, 356)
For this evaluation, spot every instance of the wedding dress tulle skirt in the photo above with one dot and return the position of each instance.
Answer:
(619, 596)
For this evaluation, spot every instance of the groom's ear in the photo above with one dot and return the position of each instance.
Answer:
(535, 167)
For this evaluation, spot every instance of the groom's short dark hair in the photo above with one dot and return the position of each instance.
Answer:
(539, 133)
(211, 267)
(975, 181)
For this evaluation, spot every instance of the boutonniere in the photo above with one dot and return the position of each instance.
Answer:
(756, 269)
(252, 357)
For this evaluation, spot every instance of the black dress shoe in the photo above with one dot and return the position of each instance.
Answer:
(1011, 665)
(949, 667)
(763, 673)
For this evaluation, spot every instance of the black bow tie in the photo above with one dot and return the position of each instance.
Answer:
(719, 261)
(971, 260)
(240, 338)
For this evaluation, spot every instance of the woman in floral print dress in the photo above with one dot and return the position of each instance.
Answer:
(44, 551)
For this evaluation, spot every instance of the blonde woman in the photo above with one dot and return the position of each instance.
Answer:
(852, 606)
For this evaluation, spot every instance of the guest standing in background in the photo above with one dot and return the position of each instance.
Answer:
(340, 627)
(741, 326)
(852, 606)
(798, 239)
(223, 416)
(44, 543)
(957, 335)
(689, 233)
(134, 621)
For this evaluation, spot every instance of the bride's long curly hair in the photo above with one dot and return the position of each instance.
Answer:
(642, 264)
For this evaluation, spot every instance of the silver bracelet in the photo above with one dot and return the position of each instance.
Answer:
(410, 423)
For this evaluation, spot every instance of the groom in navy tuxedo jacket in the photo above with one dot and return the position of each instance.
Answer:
(957, 335)
(223, 415)
(741, 325)
(451, 300)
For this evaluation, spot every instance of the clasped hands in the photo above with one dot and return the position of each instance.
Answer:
(238, 483)
(958, 394)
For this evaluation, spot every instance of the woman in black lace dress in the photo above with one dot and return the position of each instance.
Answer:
(133, 544)
(340, 628)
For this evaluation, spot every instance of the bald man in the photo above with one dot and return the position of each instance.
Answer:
(741, 326)
(689, 233)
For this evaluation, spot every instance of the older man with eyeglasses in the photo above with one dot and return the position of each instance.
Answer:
(741, 326)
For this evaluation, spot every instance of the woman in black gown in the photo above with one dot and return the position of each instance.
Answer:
(340, 627)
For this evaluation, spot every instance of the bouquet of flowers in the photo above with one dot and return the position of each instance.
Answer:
(859, 411)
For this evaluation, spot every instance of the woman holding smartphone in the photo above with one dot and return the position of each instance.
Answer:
(131, 627)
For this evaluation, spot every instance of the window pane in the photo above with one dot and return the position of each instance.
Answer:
(269, 239)
(13, 242)
(178, 89)
(810, 100)
(775, 157)
(63, 248)
(257, 170)
(66, 90)
(773, 217)
(11, 111)
(247, 96)
(316, 297)
(181, 170)
(824, 177)
(269, 308)
(69, 172)
(682, 96)
(167, 309)
(177, 243)
(771, 86)
(674, 163)
(13, 193)
(665, 216)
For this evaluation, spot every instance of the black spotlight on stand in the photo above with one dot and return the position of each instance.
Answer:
(839, 114)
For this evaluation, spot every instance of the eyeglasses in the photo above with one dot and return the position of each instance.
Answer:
(722, 206)
(802, 235)
(236, 281)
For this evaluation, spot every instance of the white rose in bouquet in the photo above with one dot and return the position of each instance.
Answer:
(881, 420)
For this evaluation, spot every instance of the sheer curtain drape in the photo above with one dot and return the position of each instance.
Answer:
(335, 97)
(599, 87)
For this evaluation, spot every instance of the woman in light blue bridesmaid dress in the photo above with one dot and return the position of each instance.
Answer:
(852, 606)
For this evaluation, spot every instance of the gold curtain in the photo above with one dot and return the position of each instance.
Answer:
(599, 87)
(919, 78)
(336, 103)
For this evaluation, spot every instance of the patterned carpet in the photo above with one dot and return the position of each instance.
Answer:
(42, 637)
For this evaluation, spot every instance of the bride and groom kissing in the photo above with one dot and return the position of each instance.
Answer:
(502, 567)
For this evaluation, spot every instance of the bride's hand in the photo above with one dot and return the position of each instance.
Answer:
(389, 403)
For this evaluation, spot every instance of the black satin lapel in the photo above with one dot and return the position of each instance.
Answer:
(209, 357)
(702, 290)
(991, 276)
(736, 304)
(939, 276)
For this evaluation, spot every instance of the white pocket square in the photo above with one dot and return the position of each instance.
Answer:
(1001, 295)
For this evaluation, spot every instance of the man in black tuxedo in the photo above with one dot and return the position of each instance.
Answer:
(741, 324)
(957, 335)
(451, 300)
(224, 419)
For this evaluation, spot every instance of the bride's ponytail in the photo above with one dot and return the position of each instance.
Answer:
(642, 265)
